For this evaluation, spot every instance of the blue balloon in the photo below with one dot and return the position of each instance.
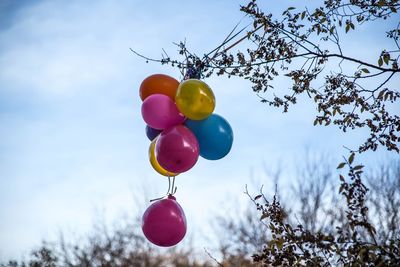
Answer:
(214, 135)
(152, 133)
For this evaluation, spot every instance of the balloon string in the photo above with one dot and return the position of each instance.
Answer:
(169, 184)
(171, 189)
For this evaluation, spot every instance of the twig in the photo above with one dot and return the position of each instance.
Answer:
(214, 259)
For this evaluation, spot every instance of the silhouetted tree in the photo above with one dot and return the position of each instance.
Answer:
(124, 246)
(313, 227)
(318, 229)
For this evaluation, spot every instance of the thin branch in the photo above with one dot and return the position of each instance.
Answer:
(385, 81)
(237, 42)
(356, 61)
(214, 259)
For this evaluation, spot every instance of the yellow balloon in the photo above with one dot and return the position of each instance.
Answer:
(195, 99)
(153, 161)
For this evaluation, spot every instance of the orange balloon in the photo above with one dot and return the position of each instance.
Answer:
(159, 84)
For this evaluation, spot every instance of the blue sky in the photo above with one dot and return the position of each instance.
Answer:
(72, 139)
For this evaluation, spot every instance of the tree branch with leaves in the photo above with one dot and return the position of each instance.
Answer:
(304, 45)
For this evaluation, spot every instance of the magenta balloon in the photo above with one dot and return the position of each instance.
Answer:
(177, 149)
(164, 222)
(160, 112)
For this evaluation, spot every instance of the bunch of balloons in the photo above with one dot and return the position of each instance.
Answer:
(181, 127)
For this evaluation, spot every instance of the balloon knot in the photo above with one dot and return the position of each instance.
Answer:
(171, 197)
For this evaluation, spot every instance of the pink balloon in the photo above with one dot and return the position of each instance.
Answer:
(164, 222)
(177, 149)
(160, 112)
